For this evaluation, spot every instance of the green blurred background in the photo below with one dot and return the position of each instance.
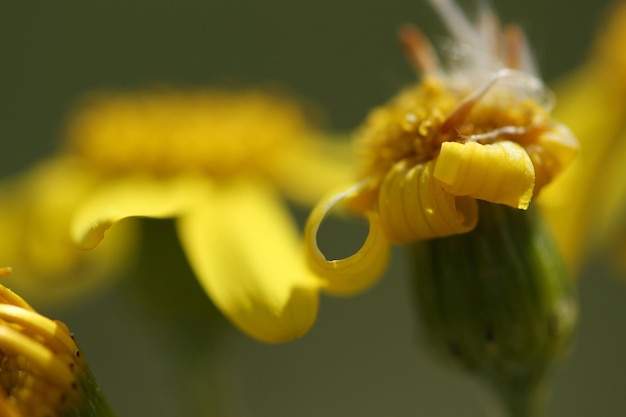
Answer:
(155, 344)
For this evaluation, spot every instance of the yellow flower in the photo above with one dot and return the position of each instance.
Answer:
(218, 162)
(584, 205)
(42, 372)
(480, 130)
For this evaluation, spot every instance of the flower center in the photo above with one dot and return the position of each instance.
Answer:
(414, 124)
(167, 132)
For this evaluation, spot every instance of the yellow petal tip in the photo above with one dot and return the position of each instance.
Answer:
(500, 172)
(357, 272)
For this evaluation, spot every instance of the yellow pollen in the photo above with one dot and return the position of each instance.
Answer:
(168, 132)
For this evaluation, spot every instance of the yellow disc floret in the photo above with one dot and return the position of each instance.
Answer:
(406, 129)
(167, 132)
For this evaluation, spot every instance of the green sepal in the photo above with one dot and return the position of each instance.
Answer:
(90, 400)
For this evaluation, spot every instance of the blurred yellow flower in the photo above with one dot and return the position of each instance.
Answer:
(43, 372)
(218, 162)
(480, 130)
(584, 206)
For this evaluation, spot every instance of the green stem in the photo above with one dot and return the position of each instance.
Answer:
(93, 402)
(523, 399)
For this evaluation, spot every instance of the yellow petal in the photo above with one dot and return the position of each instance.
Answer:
(133, 197)
(357, 272)
(414, 206)
(608, 215)
(308, 169)
(36, 208)
(393, 216)
(592, 107)
(246, 252)
(560, 142)
(553, 151)
(609, 48)
(501, 172)
(42, 359)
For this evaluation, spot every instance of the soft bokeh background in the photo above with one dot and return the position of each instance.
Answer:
(156, 343)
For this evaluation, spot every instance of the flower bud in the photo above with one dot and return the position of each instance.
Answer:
(497, 301)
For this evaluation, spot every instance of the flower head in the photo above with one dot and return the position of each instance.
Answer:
(42, 370)
(217, 161)
(165, 132)
(478, 129)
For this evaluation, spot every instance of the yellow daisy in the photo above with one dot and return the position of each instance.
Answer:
(586, 203)
(43, 371)
(218, 162)
(479, 129)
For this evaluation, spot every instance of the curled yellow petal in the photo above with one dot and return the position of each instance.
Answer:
(414, 206)
(553, 151)
(357, 272)
(247, 254)
(500, 172)
(133, 197)
(9, 297)
(41, 357)
(559, 142)
(32, 322)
